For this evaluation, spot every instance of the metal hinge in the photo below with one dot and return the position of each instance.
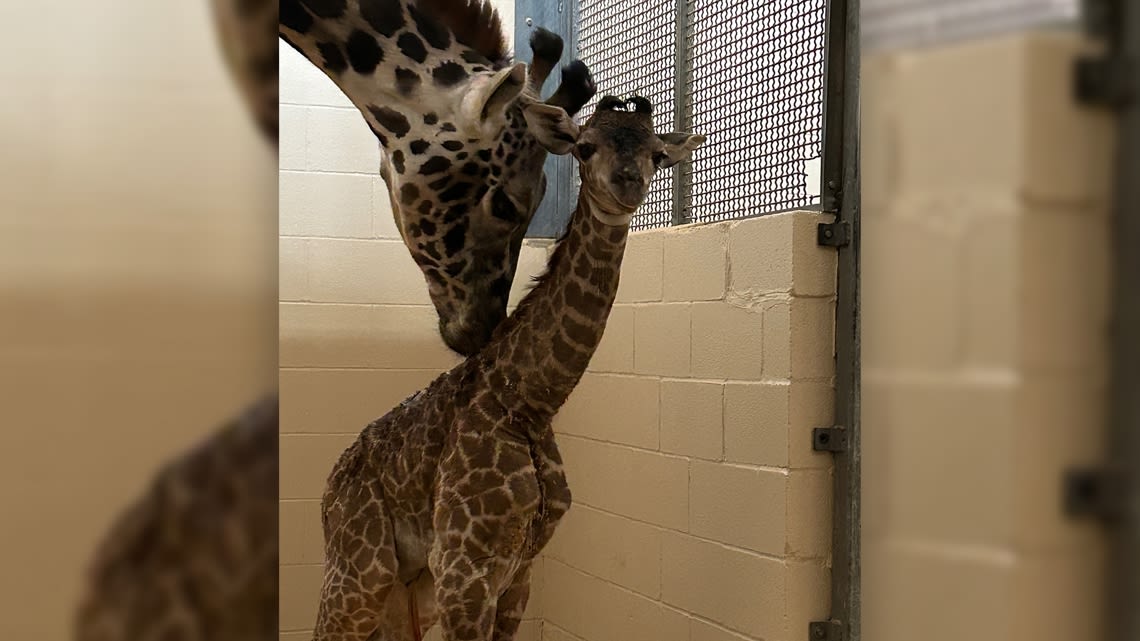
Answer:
(1094, 492)
(829, 439)
(836, 234)
(825, 631)
(1103, 81)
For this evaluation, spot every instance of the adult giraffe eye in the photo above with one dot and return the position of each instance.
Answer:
(658, 158)
(585, 150)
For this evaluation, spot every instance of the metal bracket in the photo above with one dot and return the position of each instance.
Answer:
(836, 234)
(825, 631)
(1097, 493)
(829, 439)
(1104, 82)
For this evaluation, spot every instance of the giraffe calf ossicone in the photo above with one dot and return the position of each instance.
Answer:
(451, 495)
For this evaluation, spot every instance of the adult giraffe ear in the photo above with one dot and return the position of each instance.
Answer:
(490, 96)
(552, 127)
(678, 146)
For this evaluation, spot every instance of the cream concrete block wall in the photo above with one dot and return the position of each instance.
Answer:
(700, 510)
(985, 275)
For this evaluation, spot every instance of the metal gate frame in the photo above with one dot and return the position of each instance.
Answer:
(840, 195)
(1111, 493)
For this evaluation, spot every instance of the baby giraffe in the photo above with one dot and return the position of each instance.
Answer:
(437, 510)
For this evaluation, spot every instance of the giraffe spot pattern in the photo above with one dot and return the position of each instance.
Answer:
(406, 81)
(435, 33)
(364, 52)
(455, 192)
(391, 120)
(455, 213)
(455, 238)
(449, 74)
(326, 8)
(435, 165)
(430, 118)
(502, 207)
(428, 227)
(440, 183)
(412, 47)
(398, 161)
(452, 145)
(418, 147)
(385, 16)
(409, 193)
(331, 56)
(294, 16)
(501, 287)
(448, 127)
(456, 268)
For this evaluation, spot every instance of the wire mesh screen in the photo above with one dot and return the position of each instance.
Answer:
(756, 91)
(631, 48)
(753, 84)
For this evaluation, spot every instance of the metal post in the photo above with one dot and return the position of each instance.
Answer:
(840, 195)
(1111, 492)
(682, 119)
(1124, 410)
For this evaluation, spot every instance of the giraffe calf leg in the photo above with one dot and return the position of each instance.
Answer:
(512, 605)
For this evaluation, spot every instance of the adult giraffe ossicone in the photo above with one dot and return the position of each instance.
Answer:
(436, 84)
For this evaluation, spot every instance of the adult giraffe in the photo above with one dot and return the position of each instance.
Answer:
(435, 82)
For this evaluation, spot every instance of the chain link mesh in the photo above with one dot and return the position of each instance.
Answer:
(631, 49)
(755, 89)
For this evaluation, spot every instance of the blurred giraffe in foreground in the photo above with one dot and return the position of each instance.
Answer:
(195, 557)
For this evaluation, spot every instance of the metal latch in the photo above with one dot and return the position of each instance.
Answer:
(825, 631)
(836, 234)
(1095, 492)
(1107, 82)
(829, 439)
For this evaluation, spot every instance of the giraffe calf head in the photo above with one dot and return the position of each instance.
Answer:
(618, 153)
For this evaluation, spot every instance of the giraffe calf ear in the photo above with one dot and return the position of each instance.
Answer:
(678, 146)
(490, 97)
(552, 127)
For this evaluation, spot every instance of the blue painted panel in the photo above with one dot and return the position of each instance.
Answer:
(557, 16)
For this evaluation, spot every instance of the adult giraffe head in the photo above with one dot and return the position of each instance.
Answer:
(435, 82)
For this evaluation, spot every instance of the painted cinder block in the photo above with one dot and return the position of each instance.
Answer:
(325, 204)
(727, 342)
(628, 481)
(642, 268)
(339, 140)
(695, 267)
(661, 339)
(364, 271)
(612, 408)
(343, 400)
(615, 351)
(591, 608)
(610, 547)
(691, 418)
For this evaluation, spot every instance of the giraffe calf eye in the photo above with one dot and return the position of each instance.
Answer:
(585, 150)
(658, 158)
